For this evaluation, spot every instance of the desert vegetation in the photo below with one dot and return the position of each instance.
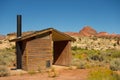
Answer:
(94, 58)
(96, 43)
(7, 59)
(99, 73)
(102, 64)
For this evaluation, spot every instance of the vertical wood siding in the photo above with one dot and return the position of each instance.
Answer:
(36, 53)
(62, 53)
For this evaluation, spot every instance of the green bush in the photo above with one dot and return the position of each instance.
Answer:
(115, 64)
(96, 57)
(102, 74)
(83, 53)
(3, 71)
(113, 53)
(116, 54)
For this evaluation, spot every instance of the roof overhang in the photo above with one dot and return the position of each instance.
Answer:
(56, 35)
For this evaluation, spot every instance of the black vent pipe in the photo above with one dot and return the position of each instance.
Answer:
(19, 25)
(19, 43)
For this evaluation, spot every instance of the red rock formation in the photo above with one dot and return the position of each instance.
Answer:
(102, 34)
(87, 31)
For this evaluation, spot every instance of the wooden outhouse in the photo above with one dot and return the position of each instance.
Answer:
(41, 49)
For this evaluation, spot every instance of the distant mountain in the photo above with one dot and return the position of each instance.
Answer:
(105, 34)
(89, 38)
(89, 31)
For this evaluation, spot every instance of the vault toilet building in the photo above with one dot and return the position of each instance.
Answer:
(41, 49)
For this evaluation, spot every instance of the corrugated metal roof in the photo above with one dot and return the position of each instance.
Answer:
(56, 35)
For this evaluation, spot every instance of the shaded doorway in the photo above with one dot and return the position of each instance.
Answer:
(61, 53)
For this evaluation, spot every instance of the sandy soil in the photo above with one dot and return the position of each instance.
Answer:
(60, 74)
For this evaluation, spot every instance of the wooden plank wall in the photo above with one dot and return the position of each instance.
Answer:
(62, 53)
(37, 52)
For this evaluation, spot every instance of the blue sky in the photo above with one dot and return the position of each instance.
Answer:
(64, 15)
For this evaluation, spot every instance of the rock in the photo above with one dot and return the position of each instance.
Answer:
(88, 31)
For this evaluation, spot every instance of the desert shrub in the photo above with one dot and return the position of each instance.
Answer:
(52, 73)
(116, 75)
(102, 74)
(116, 54)
(74, 48)
(96, 57)
(113, 53)
(115, 64)
(81, 65)
(7, 57)
(32, 72)
(75, 61)
(96, 64)
(87, 58)
(105, 56)
(3, 71)
(80, 55)
(83, 53)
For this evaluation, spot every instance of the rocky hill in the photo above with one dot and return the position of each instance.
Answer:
(88, 38)
(88, 31)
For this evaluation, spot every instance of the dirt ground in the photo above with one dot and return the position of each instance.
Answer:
(57, 74)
